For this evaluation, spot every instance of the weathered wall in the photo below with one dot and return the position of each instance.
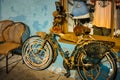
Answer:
(37, 14)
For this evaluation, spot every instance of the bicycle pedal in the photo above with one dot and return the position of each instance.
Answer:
(66, 53)
(67, 75)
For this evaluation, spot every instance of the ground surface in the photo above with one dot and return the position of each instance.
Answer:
(21, 72)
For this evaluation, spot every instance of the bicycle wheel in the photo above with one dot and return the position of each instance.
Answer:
(35, 57)
(97, 69)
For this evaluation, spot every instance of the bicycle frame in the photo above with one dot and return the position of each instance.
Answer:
(83, 51)
(51, 38)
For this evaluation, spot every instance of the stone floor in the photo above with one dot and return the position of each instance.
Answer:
(19, 71)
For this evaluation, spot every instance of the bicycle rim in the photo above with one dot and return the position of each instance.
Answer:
(32, 58)
(105, 70)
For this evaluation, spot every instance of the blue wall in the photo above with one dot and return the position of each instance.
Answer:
(37, 14)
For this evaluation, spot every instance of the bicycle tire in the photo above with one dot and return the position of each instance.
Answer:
(34, 60)
(102, 68)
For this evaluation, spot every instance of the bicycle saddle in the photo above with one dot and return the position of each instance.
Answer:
(79, 29)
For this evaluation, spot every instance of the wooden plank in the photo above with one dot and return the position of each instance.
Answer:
(72, 39)
(108, 38)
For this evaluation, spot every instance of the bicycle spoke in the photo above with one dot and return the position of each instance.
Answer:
(34, 55)
(103, 69)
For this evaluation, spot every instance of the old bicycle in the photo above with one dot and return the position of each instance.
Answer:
(93, 59)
